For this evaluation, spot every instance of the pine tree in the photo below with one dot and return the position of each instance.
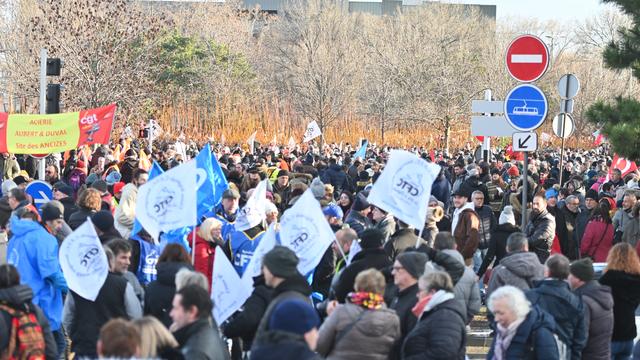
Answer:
(620, 120)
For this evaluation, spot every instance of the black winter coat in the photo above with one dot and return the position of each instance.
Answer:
(201, 341)
(403, 304)
(471, 184)
(625, 289)
(79, 217)
(335, 176)
(159, 295)
(497, 246)
(540, 231)
(598, 320)
(365, 259)
(244, 323)
(279, 345)
(70, 208)
(440, 334)
(533, 339)
(567, 309)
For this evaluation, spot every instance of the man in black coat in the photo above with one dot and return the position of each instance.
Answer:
(598, 314)
(554, 296)
(335, 176)
(541, 229)
(372, 255)
(197, 337)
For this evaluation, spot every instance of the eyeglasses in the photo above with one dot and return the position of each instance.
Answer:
(574, 204)
(396, 268)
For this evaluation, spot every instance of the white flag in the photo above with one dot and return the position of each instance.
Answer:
(545, 137)
(253, 212)
(251, 140)
(292, 144)
(404, 187)
(84, 262)
(312, 132)
(254, 268)
(228, 292)
(353, 251)
(168, 201)
(305, 230)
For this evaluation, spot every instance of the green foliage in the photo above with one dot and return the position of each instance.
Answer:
(620, 120)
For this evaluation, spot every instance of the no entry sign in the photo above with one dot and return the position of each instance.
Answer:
(527, 58)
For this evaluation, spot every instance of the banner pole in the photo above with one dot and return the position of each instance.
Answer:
(193, 246)
(344, 257)
(43, 102)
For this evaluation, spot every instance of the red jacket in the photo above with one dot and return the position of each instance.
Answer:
(203, 256)
(597, 240)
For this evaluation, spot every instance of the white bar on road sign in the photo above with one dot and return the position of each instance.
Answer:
(491, 126)
(526, 58)
(489, 107)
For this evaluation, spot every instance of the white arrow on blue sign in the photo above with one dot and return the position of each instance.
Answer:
(41, 193)
(525, 107)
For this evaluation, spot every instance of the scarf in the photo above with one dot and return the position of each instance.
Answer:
(367, 300)
(430, 301)
(504, 337)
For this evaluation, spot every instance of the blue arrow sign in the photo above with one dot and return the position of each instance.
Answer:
(41, 193)
(525, 107)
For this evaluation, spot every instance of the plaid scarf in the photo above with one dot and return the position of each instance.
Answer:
(367, 300)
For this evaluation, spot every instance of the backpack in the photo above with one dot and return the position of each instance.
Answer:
(26, 341)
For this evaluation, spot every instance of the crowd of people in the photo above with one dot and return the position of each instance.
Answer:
(382, 290)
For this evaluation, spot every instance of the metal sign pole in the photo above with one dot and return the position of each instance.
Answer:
(562, 148)
(486, 144)
(525, 190)
(43, 102)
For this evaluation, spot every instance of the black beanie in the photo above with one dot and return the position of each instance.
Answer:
(281, 262)
(371, 239)
(413, 262)
(582, 269)
(103, 220)
(591, 194)
(360, 203)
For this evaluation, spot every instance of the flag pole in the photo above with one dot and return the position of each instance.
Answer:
(421, 230)
(193, 246)
(344, 257)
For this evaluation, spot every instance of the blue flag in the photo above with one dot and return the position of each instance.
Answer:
(214, 183)
(156, 170)
(362, 151)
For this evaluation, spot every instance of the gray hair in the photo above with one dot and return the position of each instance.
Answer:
(516, 301)
(7, 185)
(435, 280)
(571, 198)
(186, 277)
(477, 192)
(517, 241)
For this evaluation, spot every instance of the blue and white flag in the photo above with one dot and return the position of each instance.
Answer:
(169, 201)
(253, 212)
(306, 231)
(84, 262)
(228, 291)
(155, 171)
(211, 179)
(362, 151)
(254, 268)
(404, 187)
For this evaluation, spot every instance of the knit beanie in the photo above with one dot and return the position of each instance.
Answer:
(281, 262)
(7, 186)
(413, 262)
(360, 202)
(51, 213)
(294, 316)
(582, 269)
(591, 194)
(103, 220)
(551, 193)
(317, 188)
(371, 238)
(506, 216)
(513, 171)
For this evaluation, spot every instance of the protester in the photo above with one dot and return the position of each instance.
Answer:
(121, 260)
(498, 242)
(104, 224)
(554, 296)
(440, 331)
(598, 236)
(404, 238)
(83, 318)
(465, 226)
(293, 333)
(208, 238)
(624, 214)
(192, 325)
(227, 212)
(631, 232)
(371, 256)
(186, 277)
(570, 245)
(34, 252)
(119, 339)
(126, 210)
(591, 202)
(279, 267)
(540, 229)
(155, 340)
(64, 193)
(519, 268)
(160, 293)
(357, 218)
(522, 331)
(598, 315)
(16, 304)
(53, 220)
(622, 275)
(485, 229)
(89, 202)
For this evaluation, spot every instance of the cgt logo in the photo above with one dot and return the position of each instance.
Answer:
(89, 120)
(89, 257)
(407, 182)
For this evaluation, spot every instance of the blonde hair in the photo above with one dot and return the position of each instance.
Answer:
(370, 280)
(623, 257)
(204, 231)
(153, 336)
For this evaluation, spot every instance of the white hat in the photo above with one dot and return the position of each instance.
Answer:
(506, 216)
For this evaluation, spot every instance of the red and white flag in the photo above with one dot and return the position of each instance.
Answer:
(625, 166)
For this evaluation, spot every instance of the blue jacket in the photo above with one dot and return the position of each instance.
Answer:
(567, 309)
(335, 176)
(34, 252)
(242, 248)
(533, 339)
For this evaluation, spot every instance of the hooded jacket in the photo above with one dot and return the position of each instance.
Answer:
(367, 258)
(554, 296)
(625, 289)
(497, 246)
(159, 295)
(372, 336)
(440, 332)
(34, 252)
(533, 339)
(519, 269)
(465, 230)
(280, 345)
(598, 319)
(541, 230)
(19, 297)
(466, 289)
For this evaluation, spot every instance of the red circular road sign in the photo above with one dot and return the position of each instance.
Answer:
(527, 58)
(39, 156)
